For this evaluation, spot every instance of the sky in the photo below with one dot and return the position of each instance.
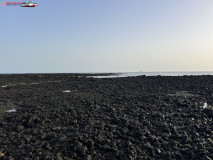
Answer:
(107, 36)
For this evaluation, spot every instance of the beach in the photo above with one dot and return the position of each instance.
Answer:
(76, 116)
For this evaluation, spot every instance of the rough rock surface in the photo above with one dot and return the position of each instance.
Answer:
(121, 118)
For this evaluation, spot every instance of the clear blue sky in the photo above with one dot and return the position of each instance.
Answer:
(107, 36)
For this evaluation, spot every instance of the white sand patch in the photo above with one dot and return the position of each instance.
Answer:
(55, 81)
(205, 105)
(66, 91)
(34, 83)
(10, 111)
(183, 94)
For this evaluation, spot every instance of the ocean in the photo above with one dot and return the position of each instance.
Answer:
(133, 74)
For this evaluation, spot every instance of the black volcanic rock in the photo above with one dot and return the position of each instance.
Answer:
(122, 118)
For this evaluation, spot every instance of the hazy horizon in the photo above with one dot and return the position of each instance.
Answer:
(160, 72)
(107, 36)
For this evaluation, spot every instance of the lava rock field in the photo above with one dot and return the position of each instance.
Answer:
(71, 116)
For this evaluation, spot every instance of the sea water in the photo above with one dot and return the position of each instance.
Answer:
(130, 74)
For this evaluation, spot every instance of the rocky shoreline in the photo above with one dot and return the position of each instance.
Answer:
(70, 116)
